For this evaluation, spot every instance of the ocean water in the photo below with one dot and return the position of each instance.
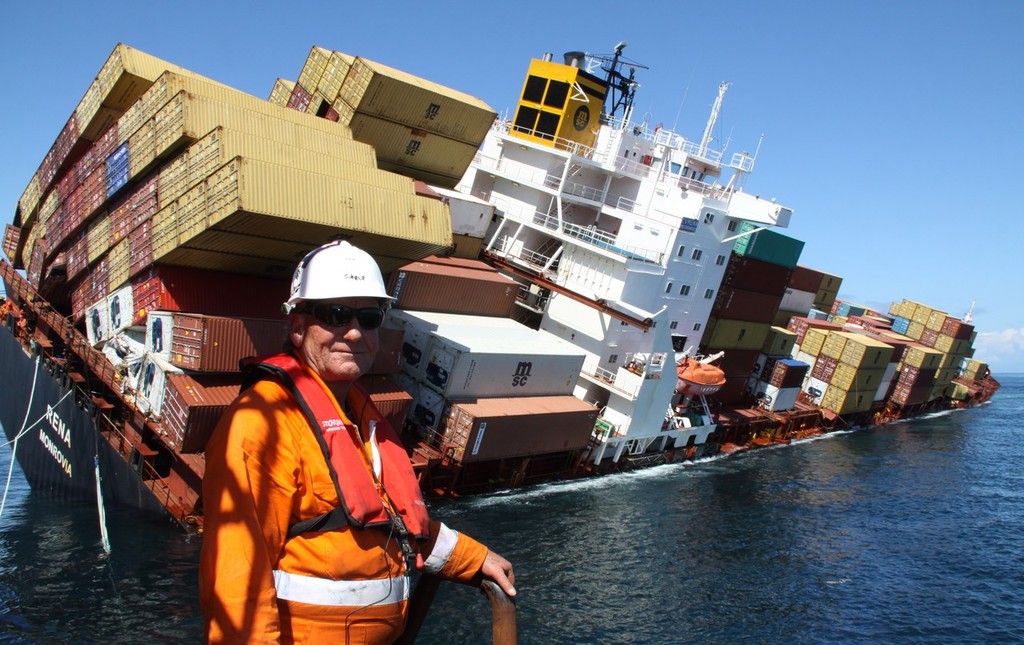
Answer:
(911, 533)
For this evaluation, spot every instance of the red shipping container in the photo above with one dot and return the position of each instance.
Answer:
(501, 428)
(806, 279)
(392, 401)
(957, 328)
(173, 288)
(824, 368)
(218, 343)
(193, 404)
(423, 286)
(748, 306)
(738, 363)
(751, 274)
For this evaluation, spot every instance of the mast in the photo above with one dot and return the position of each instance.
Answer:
(715, 109)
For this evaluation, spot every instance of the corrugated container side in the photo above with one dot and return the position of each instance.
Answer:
(119, 265)
(517, 427)
(814, 338)
(217, 343)
(806, 279)
(750, 274)
(769, 246)
(736, 334)
(834, 345)
(336, 157)
(313, 69)
(923, 357)
(175, 288)
(299, 100)
(436, 287)
(842, 401)
(246, 199)
(862, 351)
(193, 404)
(824, 368)
(281, 92)
(412, 152)
(387, 93)
(390, 399)
(780, 342)
(737, 304)
(334, 75)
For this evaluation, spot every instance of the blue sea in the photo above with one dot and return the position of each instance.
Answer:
(909, 533)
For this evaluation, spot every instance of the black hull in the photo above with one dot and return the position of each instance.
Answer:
(58, 453)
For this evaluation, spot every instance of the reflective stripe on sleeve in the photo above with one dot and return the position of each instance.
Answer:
(340, 593)
(443, 548)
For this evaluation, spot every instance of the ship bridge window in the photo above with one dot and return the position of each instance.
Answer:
(678, 343)
(614, 358)
(696, 327)
(733, 225)
(696, 254)
(708, 294)
(675, 168)
(709, 217)
(680, 253)
(668, 287)
(557, 93)
(684, 290)
(675, 323)
(720, 260)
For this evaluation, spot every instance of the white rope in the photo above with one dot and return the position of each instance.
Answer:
(24, 429)
(99, 505)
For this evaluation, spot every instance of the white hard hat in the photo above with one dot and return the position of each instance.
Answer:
(336, 270)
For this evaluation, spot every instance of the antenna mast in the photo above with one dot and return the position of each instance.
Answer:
(715, 109)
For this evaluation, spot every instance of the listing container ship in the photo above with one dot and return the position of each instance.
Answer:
(575, 292)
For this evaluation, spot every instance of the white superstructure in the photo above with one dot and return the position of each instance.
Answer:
(620, 234)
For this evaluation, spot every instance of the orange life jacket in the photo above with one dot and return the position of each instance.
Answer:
(361, 502)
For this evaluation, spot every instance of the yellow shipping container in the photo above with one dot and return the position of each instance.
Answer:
(343, 158)
(851, 378)
(276, 210)
(124, 77)
(921, 314)
(334, 75)
(780, 342)
(424, 155)
(834, 345)
(976, 369)
(98, 238)
(843, 401)
(387, 93)
(118, 265)
(861, 351)
(736, 334)
(814, 338)
(923, 357)
(782, 317)
(313, 69)
(935, 320)
(187, 118)
(281, 92)
(915, 329)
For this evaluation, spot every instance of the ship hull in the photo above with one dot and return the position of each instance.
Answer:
(58, 452)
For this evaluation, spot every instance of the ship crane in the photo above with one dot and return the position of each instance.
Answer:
(969, 316)
(621, 88)
(713, 118)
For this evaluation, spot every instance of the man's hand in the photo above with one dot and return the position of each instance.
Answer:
(499, 570)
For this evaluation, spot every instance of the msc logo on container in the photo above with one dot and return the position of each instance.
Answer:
(522, 373)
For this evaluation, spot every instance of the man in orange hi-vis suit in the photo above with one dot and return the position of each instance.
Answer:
(313, 518)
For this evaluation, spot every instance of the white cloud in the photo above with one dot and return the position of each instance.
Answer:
(1002, 350)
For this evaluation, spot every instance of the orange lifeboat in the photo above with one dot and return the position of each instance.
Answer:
(694, 377)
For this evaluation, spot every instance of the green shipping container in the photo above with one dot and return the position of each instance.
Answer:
(768, 246)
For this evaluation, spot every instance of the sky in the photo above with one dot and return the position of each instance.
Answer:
(893, 129)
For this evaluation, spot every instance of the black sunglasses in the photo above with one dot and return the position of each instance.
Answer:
(336, 315)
